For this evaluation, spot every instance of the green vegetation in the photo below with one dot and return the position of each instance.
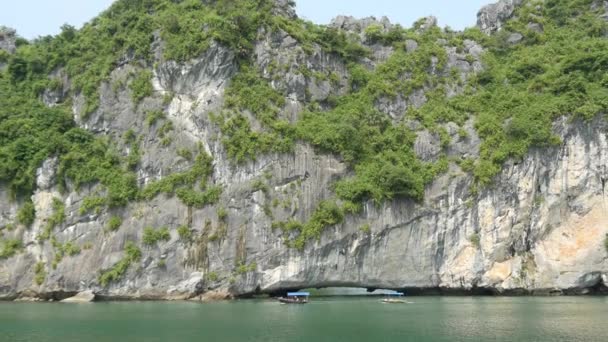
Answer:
(606, 243)
(141, 86)
(199, 199)
(243, 268)
(30, 132)
(326, 215)
(126, 29)
(132, 159)
(380, 152)
(153, 116)
(185, 153)
(526, 86)
(260, 185)
(10, 248)
(94, 160)
(167, 98)
(152, 236)
(514, 101)
(365, 229)
(62, 250)
(475, 240)
(39, 273)
(26, 214)
(70, 249)
(114, 223)
(92, 203)
(56, 219)
(249, 91)
(212, 276)
(220, 232)
(9, 227)
(222, 214)
(182, 184)
(132, 254)
(374, 33)
(185, 233)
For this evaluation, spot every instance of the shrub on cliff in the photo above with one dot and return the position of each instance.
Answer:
(152, 236)
(27, 213)
(132, 255)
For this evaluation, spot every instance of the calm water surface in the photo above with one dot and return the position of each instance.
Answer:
(325, 319)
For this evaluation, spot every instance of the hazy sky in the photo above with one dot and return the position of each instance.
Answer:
(33, 18)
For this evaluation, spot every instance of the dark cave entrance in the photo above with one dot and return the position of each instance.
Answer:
(331, 291)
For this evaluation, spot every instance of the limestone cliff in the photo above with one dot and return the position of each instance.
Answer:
(539, 226)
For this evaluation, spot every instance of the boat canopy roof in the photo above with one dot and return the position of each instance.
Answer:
(298, 294)
(396, 294)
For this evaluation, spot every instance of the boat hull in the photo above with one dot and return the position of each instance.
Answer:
(292, 301)
(393, 301)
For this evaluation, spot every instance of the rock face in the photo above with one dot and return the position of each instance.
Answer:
(352, 24)
(492, 17)
(540, 228)
(82, 297)
(8, 37)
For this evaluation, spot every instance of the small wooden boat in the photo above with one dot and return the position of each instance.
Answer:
(295, 298)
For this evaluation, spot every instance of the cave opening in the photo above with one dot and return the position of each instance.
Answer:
(332, 291)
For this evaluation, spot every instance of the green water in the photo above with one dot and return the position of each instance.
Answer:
(324, 319)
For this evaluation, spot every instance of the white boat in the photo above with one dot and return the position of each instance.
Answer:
(394, 298)
(393, 301)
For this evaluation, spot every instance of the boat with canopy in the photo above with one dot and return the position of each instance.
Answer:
(295, 298)
(394, 298)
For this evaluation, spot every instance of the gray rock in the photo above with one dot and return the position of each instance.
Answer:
(382, 53)
(52, 97)
(411, 45)
(492, 17)
(515, 38)
(417, 98)
(285, 8)
(473, 48)
(536, 27)
(81, 297)
(319, 90)
(45, 175)
(427, 146)
(217, 64)
(599, 4)
(394, 107)
(354, 25)
(8, 36)
(428, 23)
